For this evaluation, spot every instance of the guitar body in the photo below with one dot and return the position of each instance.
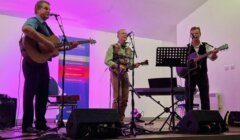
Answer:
(193, 66)
(182, 72)
(119, 72)
(37, 52)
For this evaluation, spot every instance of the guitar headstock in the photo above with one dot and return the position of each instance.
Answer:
(223, 47)
(92, 41)
(144, 62)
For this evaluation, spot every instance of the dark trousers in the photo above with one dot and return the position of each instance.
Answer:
(36, 85)
(200, 80)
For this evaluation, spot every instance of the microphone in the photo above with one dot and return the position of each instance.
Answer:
(193, 36)
(125, 43)
(129, 33)
(53, 14)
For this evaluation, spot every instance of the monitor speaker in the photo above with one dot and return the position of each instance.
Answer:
(7, 112)
(98, 123)
(232, 118)
(202, 122)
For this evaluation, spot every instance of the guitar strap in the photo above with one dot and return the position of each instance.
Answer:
(43, 29)
(189, 49)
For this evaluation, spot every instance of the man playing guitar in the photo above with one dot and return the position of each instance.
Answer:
(36, 74)
(119, 59)
(199, 77)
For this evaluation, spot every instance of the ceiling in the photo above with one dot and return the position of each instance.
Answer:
(155, 19)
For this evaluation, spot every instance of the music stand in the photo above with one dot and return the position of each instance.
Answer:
(171, 56)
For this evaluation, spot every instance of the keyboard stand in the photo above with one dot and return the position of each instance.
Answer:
(165, 110)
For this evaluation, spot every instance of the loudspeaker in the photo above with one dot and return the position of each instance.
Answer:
(7, 112)
(232, 118)
(97, 123)
(202, 122)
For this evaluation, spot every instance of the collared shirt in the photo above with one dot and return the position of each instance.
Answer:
(122, 51)
(33, 22)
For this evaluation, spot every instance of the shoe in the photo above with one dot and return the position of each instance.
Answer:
(29, 130)
(43, 128)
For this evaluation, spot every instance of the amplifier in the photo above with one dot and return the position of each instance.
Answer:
(8, 107)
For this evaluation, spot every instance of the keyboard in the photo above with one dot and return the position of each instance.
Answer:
(159, 91)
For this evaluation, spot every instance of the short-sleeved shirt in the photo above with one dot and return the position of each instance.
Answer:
(34, 22)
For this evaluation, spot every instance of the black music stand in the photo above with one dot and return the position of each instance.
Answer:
(171, 56)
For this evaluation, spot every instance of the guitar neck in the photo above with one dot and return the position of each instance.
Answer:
(59, 45)
(143, 63)
(140, 63)
(210, 52)
(203, 56)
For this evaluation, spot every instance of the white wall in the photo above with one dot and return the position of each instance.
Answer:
(99, 78)
(219, 22)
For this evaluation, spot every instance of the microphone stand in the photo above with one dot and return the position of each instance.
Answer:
(60, 121)
(189, 81)
(132, 123)
(133, 128)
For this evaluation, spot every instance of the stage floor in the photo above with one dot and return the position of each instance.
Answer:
(233, 133)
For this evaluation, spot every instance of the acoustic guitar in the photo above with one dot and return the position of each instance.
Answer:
(38, 53)
(193, 58)
(126, 68)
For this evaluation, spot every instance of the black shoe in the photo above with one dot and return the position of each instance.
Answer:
(43, 128)
(29, 130)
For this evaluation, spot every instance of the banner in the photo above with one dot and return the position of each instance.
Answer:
(76, 78)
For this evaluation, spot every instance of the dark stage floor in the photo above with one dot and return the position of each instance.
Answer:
(233, 133)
